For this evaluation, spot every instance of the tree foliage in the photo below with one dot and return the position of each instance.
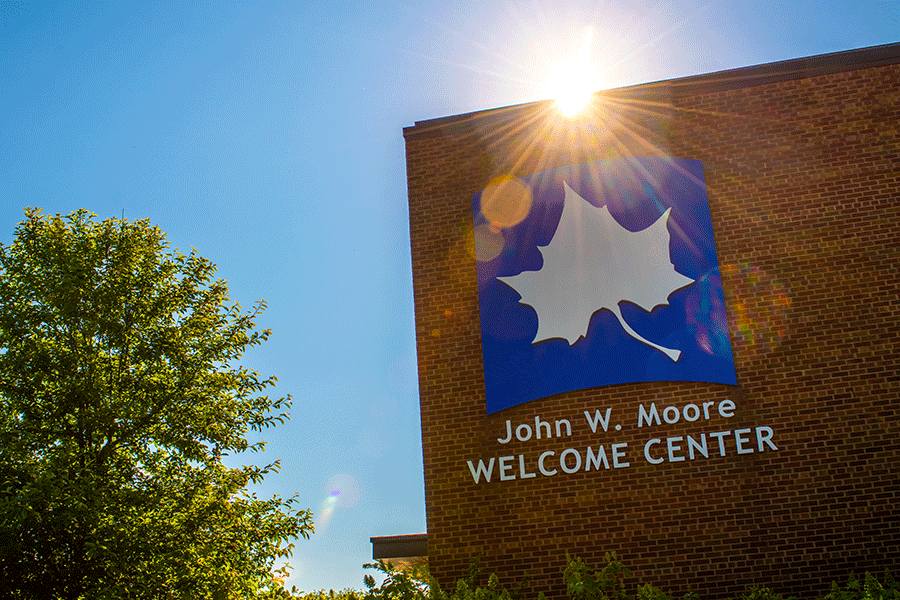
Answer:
(120, 394)
(606, 583)
(582, 582)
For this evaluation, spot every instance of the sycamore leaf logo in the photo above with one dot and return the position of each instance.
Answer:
(593, 263)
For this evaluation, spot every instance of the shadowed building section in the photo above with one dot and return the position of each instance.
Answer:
(403, 551)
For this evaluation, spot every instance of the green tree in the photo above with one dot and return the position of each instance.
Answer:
(120, 394)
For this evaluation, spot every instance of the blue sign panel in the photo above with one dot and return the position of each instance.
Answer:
(596, 274)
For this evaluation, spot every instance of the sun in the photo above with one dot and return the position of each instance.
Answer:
(575, 80)
(572, 93)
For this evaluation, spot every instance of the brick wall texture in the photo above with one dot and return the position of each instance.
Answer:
(803, 179)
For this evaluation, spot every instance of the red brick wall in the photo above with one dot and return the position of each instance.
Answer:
(803, 180)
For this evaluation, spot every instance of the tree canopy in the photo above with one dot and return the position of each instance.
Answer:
(121, 391)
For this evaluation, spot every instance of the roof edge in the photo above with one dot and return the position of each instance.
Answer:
(400, 546)
(784, 70)
(399, 538)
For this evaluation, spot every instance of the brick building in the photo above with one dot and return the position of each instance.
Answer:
(801, 161)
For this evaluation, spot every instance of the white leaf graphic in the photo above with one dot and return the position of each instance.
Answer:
(593, 263)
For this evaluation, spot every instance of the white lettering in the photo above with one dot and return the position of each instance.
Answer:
(600, 418)
(650, 459)
(726, 408)
(670, 444)
(481, 470)
(508, 434)
(691, 408)
(563, 422)
(596, 460)
(764, 439)
(675, 413)
(541, 467)
(719, 435)
(648, 418)
(538, 424)
(522, 473)
(677, 448)
(562, 460)
(617, 455)
(701, 448)
(523, 437)
(738, 441)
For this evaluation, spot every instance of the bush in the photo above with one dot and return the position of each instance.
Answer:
(347, 594)
(869, 589)
(607, 583)
(582, 583)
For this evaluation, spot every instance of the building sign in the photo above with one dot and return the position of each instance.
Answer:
(655, 449)
(596, 274)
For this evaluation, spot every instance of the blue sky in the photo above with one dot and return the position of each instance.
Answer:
(268, 135)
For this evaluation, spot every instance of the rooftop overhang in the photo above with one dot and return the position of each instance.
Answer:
(400, 546)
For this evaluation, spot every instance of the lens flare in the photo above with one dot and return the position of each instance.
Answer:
(341, 491)
(505, 202)
(761, 305)
(488, 243)
(326, 511)
(706, 314)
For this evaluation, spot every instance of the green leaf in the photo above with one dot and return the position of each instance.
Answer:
(121, 390)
